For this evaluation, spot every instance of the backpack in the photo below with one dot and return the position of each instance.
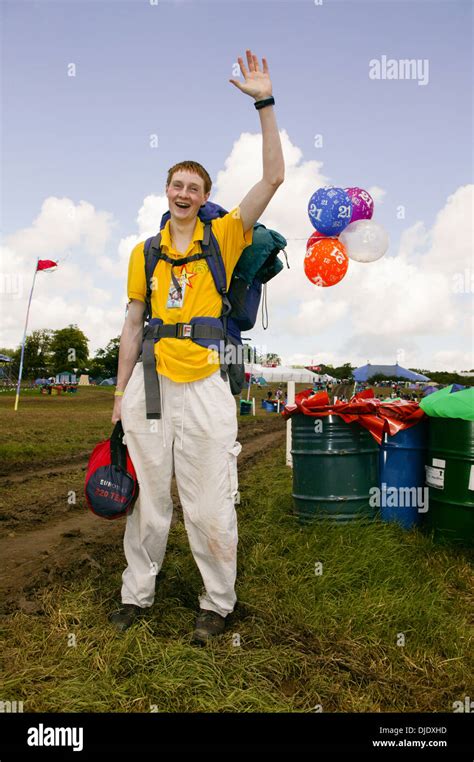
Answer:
(111, 487)
(257, 265)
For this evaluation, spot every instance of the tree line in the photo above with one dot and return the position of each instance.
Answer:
(48, 352)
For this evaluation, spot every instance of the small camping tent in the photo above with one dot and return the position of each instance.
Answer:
(65, 377)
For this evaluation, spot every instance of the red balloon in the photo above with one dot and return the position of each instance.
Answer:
(326, 262)
(316, 236)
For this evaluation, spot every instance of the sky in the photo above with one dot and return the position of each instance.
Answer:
(99, 99)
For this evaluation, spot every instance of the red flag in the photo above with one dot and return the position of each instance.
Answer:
(46, 264)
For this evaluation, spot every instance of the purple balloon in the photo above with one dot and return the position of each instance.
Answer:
(362, 204)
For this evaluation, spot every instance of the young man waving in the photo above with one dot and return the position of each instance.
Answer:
(196, 434)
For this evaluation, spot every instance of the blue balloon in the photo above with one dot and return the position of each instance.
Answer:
(330, 210)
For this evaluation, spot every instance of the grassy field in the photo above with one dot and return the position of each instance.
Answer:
(46, 428)
(35, 434)
(54, 429)
(385, 627)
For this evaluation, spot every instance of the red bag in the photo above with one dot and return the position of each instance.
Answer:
(111, 487)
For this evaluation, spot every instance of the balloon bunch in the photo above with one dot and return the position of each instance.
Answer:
(344, 229)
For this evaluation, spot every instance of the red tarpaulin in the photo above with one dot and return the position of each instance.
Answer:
(374, 415)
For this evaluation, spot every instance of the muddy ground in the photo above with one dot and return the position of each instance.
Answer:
(48, 534)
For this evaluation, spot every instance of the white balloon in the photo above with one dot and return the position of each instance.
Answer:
(365, 240)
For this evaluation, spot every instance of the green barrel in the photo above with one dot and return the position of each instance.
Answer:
(245, 407)
(334, 466)
(450, 478)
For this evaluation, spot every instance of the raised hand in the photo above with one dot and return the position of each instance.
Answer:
(257, 82)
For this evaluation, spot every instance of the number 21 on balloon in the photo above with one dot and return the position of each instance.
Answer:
(315, 212)
(345, 212)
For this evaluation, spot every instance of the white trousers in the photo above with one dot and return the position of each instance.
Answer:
(195, 437)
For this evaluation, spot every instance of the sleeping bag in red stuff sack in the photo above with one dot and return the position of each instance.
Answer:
(111, 482)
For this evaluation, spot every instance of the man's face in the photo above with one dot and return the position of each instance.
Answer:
(185, 195)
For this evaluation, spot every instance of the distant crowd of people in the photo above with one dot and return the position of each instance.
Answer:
(50, 384)
(278, 395)
(395, 391)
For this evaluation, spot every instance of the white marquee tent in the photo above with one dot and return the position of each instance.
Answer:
(282, 374)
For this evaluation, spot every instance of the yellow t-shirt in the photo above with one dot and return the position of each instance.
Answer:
(183, 360)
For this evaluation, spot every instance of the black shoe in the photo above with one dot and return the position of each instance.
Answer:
(125, 616)
(208, 624)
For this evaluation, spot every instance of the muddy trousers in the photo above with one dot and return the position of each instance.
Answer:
(196, 440)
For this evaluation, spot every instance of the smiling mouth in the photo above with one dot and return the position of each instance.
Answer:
(182, 206)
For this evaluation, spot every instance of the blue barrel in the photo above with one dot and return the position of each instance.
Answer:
(402, 466)
(270, 407)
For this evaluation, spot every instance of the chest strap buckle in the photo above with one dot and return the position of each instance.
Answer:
(184, 330)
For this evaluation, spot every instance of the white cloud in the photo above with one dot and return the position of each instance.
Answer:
(298, 358)
(378, 194)
(316, 313)
(287, 211)
(148, 223)
(396, 297)
(75, 235)
(450, 358)
(452, 235)
(60, 225)
(150, 214)
(413, 240)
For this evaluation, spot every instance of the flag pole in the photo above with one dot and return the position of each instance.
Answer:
(24, 339)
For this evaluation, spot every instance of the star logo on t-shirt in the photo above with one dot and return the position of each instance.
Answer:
(185, 276)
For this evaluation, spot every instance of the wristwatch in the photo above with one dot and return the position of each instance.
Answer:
(265, 102)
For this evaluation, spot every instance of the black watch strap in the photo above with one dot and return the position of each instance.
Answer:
(265, 102)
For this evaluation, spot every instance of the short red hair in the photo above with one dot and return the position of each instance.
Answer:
(191, 166)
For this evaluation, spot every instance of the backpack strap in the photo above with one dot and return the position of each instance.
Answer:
(151, 260)
(216, 266)
(150, 375)
(219, 275)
